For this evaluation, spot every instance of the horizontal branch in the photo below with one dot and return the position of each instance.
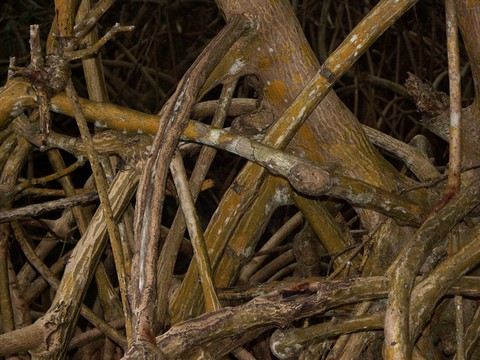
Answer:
(304, 298)
(278, 308)
(304, 176)
(15, 97)
(108, 142)
(287, 344)
(309, 178)
(38, 209)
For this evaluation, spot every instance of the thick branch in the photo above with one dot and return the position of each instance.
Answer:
(409, 262)
(151, 191)
(280, 307)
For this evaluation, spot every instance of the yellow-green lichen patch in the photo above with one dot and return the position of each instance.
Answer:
(275, 91)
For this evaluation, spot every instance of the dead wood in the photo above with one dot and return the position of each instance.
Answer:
(267, 186)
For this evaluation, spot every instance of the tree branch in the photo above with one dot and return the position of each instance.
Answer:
(151, 192)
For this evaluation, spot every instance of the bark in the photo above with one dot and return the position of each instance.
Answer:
(302, 147)
(279, 56)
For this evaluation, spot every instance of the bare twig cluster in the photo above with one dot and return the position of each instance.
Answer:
(253, 215)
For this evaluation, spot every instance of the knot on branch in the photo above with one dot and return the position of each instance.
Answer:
(309, 179)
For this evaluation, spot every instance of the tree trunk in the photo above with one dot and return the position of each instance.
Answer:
(383, 295)
(281, 59)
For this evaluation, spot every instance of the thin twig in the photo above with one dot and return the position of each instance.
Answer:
(91, 18)
(8, 178)
(167, 258)
(11, 193)
(151, 192)
(280, 235)
(455, 150)
(415, 161)
(38, 209)
(458, 306)
(93, 49)
(102, 188)
(45, 272)
(454, 167)
(196, 233)
(97, 91)
(93, 334)
(8, 321)
(288, 343)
